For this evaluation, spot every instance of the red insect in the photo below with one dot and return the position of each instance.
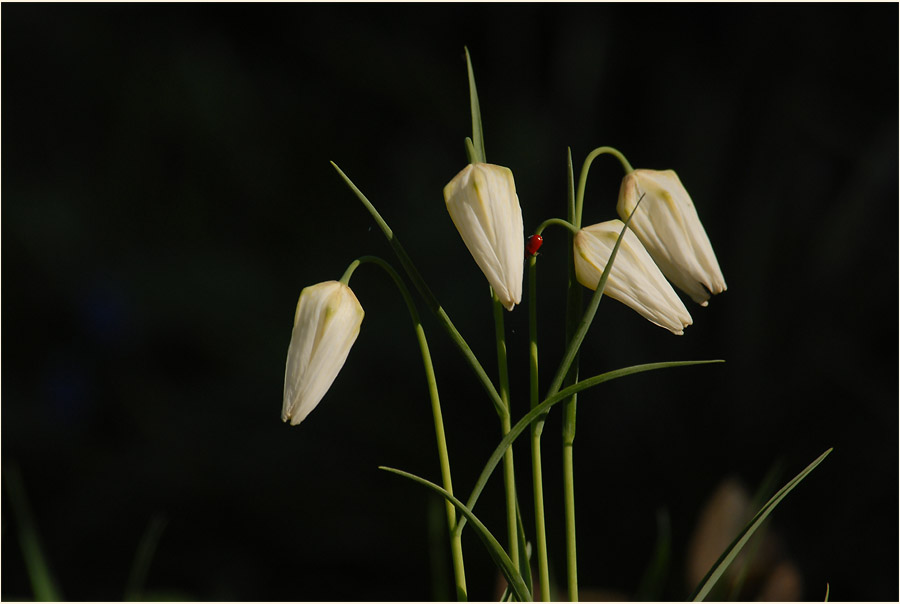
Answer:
(533, 244)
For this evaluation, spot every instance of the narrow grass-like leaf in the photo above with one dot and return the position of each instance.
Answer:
(513, 577)
(477, 131)
(542, 409)
(728, 556)
(762, 494)
(827, 591)
(42, 582)
(142, 558)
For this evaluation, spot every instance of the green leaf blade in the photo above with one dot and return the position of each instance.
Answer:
(541, 410)
(512, 574)
(728, 556)
(477, 132)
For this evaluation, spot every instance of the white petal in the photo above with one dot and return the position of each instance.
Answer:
(483, 205)
(634, 280)
(668, 225)
(326, 324)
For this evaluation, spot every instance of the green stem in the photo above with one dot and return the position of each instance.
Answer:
(582, 181)
(508, 466)
(573, 310)
(558, 221)
(459, 571)
(567, 373)
(430, 300)
(569, 498)
(537, 429)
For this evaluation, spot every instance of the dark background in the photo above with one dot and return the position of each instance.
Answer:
(167, 194)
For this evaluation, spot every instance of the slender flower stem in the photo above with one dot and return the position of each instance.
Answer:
(582, 181)
(559, 221)
(537, 428)
(569, 499)
(459, 571)
(430, 299)
(573, 309)
(505, 422)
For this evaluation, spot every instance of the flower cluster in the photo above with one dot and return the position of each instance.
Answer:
(665, 240)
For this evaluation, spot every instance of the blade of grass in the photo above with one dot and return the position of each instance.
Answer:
(763, 492)
(142, 558)
(477, 131)
(728, 556)
(501, 559)
(42, 582)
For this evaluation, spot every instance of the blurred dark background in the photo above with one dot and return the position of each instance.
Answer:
(167, 194)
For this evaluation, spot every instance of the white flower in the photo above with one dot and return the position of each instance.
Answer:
(483, 205)
(326, 325)
(634, 280)
(667, 224)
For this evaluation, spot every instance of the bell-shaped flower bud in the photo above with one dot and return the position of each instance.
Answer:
(667, 224)
(326, 325)
(634, 280)
(483, 205)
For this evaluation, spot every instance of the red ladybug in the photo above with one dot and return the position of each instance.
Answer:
(533, 244)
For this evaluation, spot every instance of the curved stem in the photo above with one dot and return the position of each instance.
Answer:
(430, 300)
(558, 221)
(582, 181)
(443, 455)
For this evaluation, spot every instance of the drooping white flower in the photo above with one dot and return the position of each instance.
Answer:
(634, 280)
(326, 324)
(667, 224)
(483, 205)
